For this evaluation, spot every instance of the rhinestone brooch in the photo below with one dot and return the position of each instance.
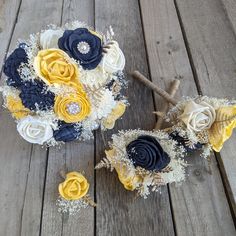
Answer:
(73, 108)
(83, 47)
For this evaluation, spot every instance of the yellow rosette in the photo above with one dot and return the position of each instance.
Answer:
(116, 113)
(55, 66)
(222, 128)
(15, 106)
(127, 177)
(74, 187)
(72, 107)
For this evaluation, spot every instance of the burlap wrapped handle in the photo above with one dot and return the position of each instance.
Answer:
(167, 96)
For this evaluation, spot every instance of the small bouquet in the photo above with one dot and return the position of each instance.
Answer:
(199, 123)
(74, 193)
(65, 82)
(202, 123)
(145, 160)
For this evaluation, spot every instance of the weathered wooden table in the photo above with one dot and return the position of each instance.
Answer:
(193, 40)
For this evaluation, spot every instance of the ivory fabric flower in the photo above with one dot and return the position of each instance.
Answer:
(74, 187)
(115, 114)
(54, 66)
(114, 59)
(126, 176)
(15, 106)
(72, 107)
(222, 128)
(49, 38)
(94, 77)
(35, 130)
(198, 116)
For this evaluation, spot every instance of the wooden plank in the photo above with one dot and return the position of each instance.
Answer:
(212, 44)
(226, 164)
(8, 16)
(72, 156)
(200, 203)
(24, 164)
(230, 8)
(118, 211)
(16, 159)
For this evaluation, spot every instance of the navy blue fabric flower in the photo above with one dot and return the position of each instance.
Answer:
(147, 153)
(34, 95)
(83, 46)
(184, 142)
(11, 67)
(67, 132)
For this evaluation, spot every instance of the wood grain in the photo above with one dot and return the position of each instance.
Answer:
(230, 9)
(70, 157)
(200, 203)
(212, 44)
(30, 174)
(73, 156)
(8, 16)
(118, 211)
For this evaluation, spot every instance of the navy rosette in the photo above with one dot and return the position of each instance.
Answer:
(184, 142)
(12, 65)
(147, 153)
(67, 132)
(34, 95)
(83, 46)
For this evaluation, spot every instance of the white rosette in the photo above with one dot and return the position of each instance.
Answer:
(49, 38)
(35, 129)
(198, 116)
(114, 59)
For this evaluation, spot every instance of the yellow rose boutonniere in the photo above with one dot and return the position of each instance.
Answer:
(15, 106)
(74, 187)
(72, 107)
(54, 66)
(222, 128)
(73, 193)
(116, 113)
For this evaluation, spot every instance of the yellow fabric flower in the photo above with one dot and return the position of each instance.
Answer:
(55, 66)
(222, 128)
(116, 113)
(15, 106)
(73, 107)
(126, 176)
(74, 187)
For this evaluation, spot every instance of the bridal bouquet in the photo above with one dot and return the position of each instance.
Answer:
(65, 82)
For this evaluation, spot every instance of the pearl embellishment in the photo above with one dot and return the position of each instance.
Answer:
(83, 47)
(73, 108)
